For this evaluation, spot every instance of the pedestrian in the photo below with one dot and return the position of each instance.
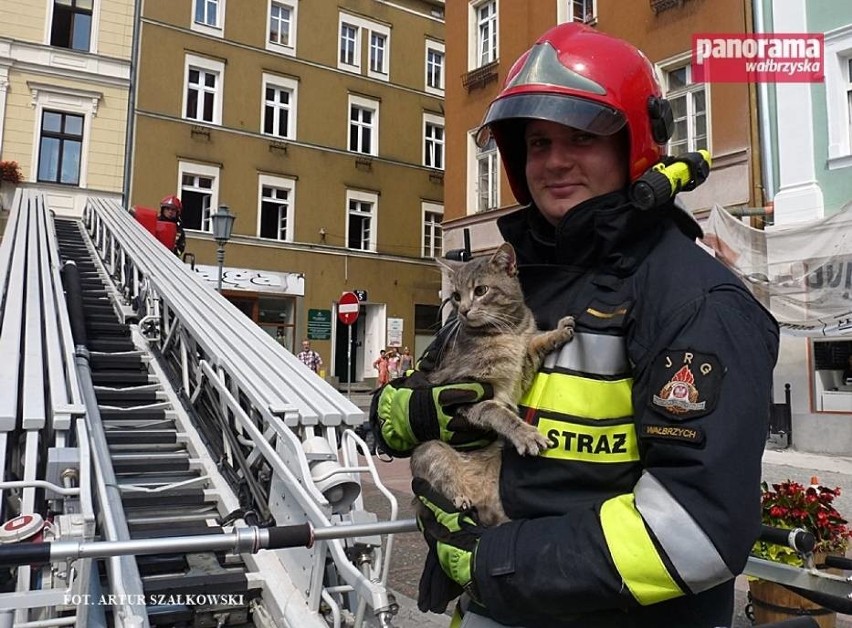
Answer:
(406, 361)
(381, 365)
(393, 363)
(647, 503)
(170, 211)
(309, 357)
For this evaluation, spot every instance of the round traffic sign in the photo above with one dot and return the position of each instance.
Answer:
(347, 308)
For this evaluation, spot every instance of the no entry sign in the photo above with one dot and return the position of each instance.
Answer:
(347, 308)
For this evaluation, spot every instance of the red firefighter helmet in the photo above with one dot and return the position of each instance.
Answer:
(579, 77)
(171, 201)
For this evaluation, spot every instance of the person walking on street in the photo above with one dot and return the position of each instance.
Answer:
(647, 503)
(381, 365)
(309, 357)
(406, 361)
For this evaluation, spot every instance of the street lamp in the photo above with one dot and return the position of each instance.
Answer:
(223, 222)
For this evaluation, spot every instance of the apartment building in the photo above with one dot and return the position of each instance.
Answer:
(321, 126)
(64, 84)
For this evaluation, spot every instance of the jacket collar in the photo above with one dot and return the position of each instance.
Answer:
(605, 232)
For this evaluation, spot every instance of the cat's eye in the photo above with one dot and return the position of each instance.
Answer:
(480, 290)
(455, 296)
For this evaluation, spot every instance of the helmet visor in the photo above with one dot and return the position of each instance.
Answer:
(578, 113)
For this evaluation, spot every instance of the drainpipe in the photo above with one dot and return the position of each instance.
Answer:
(763, 113)
(130, 130)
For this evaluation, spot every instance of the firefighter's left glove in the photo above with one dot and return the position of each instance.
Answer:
(453, 535)
(411, 410)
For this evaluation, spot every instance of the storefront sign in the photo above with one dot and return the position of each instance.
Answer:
(319, 324)
(395, 332)
(255, 280)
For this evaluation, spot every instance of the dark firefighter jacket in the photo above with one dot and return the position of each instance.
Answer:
(647, 504)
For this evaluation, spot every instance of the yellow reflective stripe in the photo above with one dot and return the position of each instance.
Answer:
(589, 443)
(579, 396)
(634, 553)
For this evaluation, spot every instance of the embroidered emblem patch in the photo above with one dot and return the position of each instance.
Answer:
(692, 435)
(685, 384)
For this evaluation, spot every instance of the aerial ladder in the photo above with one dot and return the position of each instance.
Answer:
(144, 415)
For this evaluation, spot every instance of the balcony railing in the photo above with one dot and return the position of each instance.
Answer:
(481, 76)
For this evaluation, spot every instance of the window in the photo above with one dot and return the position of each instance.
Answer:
(203, 93)
(583, 11)
(377, 53)
(435, 68)
(349, 44)
(199, 192)
(208, 17)
(279, 107)
(433, 234)
(689, 106)
(433, 141)
(353, 30)
(838, 96)
(60, 147)
(282, 27)
(363, 125)
(486, 33)
(360, 220)
(72, 24)
(487, 178)
(276, 208)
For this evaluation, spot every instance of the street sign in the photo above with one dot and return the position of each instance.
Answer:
(347, 308)
(319, 324)
(361, 294)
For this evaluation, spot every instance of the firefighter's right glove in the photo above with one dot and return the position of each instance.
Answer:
(410, 410)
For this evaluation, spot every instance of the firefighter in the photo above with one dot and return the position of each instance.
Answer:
(170, 210)
(645, 506)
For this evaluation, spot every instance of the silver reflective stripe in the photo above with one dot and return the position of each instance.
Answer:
(595, 354)
(689, 549)
(472, 620)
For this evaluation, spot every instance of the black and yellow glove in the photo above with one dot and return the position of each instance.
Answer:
(452, 536)
(410, 410)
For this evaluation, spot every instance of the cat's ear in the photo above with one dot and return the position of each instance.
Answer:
(505, 259)
(449, 265)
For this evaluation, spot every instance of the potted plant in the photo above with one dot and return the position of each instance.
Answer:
(791, 505)
(10, 176)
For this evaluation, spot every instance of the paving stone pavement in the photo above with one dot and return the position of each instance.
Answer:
(409, 549)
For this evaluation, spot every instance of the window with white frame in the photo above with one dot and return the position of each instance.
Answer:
(363, 125)
(487, 177)
(689, 107)
(352, 32)
(282, 27)
(583, 11)
(486, 32)
(277, 200)
(279, 106)
(435, 68)
(71, 24)
(361, 220)
(838, 96)
(60, 147)
(203, 92)
(63, 116)
(433, 141)
(199, 193)
(433, 233)
(208, 16)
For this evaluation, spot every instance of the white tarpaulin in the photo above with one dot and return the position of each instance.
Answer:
(802, 273)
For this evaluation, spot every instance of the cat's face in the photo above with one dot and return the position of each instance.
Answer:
(485, 291)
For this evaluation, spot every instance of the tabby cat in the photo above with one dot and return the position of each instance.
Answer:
(496, 341)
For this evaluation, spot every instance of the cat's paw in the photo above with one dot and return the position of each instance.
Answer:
(566, 324)
(529, 442)
(462, 502)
